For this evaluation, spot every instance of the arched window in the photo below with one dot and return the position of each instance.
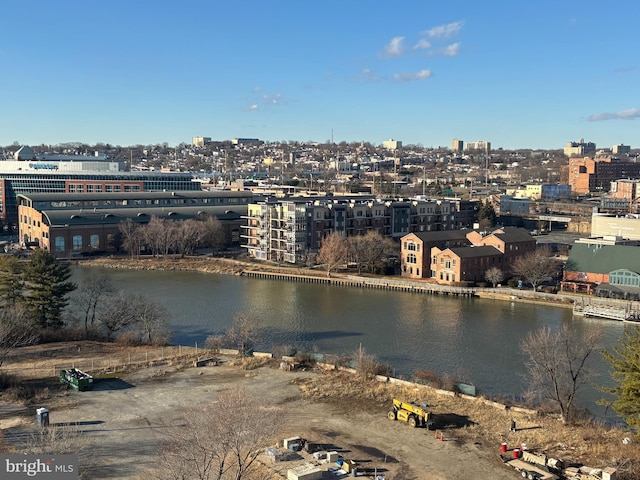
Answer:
(624, 277)
(59, 244)
(411, 258)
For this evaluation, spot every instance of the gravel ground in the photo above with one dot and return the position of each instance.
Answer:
(123, 418)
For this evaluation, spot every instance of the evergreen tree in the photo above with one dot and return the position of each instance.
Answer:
(487, 214)
(11, 285)
(46, 288)
(625, 360)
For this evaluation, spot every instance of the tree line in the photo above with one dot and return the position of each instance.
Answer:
(35, 304)
(163, 237)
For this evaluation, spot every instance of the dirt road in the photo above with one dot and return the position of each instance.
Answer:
(123, 419)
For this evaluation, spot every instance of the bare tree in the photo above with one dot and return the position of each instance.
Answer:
(366, 363)
(17, 329)
(494, 275)
(535, 267)
(152, 319)
(333, 252)
(187, 234)
(244, 332)
(367, 249)
(131, 236)
(213, 235)
(558, 365)
(94, 289)
(119, 314)
(219, 441)
(159, 236)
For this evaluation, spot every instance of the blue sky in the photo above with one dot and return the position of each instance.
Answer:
(520, 74)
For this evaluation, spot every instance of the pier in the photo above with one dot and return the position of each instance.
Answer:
(625, 312)
(365, 282)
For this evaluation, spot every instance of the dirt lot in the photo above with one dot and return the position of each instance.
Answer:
(123, 418)
(121, 421)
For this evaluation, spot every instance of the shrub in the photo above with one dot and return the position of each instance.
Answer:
(427, 377)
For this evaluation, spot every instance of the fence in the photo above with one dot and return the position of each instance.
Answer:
(108, 363)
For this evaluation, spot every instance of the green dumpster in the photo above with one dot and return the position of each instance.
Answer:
(77, 379)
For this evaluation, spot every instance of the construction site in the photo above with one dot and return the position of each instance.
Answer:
(335, 424)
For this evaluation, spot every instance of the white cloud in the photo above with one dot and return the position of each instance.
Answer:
(451, 50)
(444, 31)
(394, 48)
(630, 114)
(422, 44)
(253, 107)
(410, 77)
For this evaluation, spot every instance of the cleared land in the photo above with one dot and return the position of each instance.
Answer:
(120, 422)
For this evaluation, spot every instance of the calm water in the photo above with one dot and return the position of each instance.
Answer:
(473, 339)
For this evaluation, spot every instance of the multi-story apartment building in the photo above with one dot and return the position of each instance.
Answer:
(392, 144)
(416, 250)
(480, 145)
(626, 189)
(462, 255)
(586, 174)
(621, 149)
(579, 149)
(457, 145)
(291, 229)
(201, 141)
(464, 264)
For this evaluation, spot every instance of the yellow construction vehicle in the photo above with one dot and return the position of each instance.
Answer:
(414, 415)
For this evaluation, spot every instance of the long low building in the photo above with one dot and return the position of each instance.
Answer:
(88, 223)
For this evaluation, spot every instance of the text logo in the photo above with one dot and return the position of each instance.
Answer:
(51, 467)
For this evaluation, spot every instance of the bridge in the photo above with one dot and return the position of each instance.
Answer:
(554, 218)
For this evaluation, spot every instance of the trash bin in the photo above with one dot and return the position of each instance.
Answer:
(42, 417)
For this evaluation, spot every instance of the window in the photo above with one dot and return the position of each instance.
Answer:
(77, 242)
(411, 258)
(59, 244)
(94, 241)
(411, 247)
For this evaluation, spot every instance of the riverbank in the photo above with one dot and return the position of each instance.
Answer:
(225, 266)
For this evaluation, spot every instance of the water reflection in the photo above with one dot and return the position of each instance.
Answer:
(408, 331)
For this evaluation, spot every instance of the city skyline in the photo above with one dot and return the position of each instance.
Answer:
(515, 74)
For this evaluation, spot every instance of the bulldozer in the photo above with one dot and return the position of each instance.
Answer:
(414, 415)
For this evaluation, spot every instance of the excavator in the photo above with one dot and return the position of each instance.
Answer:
(414, 415)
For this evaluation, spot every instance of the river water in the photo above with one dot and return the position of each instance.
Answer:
(474, 340)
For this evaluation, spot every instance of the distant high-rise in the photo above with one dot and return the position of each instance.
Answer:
(392, 144)
(457, 145)
(621, 149)
(579, 149)
(201, 141)
(480, 145)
